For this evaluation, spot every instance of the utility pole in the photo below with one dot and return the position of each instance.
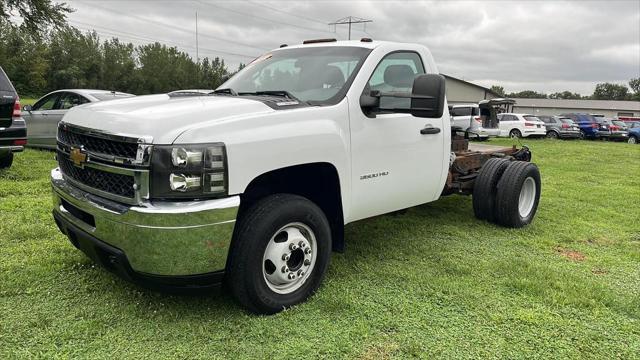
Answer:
(197, 49)
(350, 20)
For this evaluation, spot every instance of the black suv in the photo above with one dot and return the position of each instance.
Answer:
(13, 130)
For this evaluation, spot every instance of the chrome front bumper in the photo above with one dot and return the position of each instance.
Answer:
(157, 238)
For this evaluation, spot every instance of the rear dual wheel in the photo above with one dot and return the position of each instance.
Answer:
(507, 193)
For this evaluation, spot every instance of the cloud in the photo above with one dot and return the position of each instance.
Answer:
(541, 45)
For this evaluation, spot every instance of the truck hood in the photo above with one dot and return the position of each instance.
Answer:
(162, 117)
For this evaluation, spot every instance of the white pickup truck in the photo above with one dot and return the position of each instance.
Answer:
(251, 185)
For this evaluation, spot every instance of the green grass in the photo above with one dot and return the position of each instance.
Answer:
(432, 282)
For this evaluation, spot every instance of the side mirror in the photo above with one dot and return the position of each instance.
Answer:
(369, 102)
(27, 108)
(427, 97)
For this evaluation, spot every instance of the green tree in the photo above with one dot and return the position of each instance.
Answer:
(497, 89)
(24, 58)
(610, 91)
(527, 94)
(565, 95)
(75, 60)
(36, 15)
(118, 70)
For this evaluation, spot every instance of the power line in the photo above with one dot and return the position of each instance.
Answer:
(286, 12)
(159, 23)
(261, 18)
(113, 32)
(351, 20)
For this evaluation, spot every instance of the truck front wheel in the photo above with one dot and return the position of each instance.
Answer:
(279, 254)
(518, 194)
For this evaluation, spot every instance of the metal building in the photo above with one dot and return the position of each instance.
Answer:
(608, 108)
(464, 92)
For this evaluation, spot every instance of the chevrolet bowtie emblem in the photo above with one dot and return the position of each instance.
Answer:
(78, 156)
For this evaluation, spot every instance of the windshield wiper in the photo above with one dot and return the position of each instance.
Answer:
(226, 91)
(278, 93)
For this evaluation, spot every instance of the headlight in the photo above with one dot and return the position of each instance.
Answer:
(189, 171)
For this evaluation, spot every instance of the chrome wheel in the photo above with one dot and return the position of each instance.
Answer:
(552, 135)
(632, 140)
(527, 197)
(515, 134)
(289, 258)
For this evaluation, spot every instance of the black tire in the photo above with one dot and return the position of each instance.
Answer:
(632, 140)
(484, 188)
(508, 194)
(515, 133)
(552, 135)
(6, 160)
(253, 233)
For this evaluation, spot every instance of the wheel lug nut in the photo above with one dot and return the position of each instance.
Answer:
(291, 276)
(285, 257)
(307, 262)
(300, 273)
(285, 269)
(302, 244)
(307, 251)
(293, 247)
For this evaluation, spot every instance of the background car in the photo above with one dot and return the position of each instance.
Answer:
(615, 132)
(589, 127)
(621, 124)
(467, 117)
(43, 117)
(634, 135)
(13, 132)
(521, 125)
(560, 127)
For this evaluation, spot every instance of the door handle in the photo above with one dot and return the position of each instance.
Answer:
(430, 130)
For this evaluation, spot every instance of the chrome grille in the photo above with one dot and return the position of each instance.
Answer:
(97, 144)
(114, 166)
(118, 184)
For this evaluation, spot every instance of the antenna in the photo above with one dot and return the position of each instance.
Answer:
(350, 20)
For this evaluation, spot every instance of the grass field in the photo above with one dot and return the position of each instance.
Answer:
(431, 282)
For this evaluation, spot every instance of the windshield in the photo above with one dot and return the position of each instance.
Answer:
(318, 75)
(567, 121)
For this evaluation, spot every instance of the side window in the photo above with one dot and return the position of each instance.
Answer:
(47, 103)
(396, 72)
(69, 100)
(461, 111)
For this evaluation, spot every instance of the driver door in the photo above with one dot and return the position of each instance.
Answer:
(394, 165)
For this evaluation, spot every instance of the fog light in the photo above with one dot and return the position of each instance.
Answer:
(184, 183)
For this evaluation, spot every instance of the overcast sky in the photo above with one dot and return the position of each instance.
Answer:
(540, 45)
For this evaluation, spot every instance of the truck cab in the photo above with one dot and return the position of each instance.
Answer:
(253, 183)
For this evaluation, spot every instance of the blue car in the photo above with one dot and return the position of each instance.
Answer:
(589, 127)
(634, 135)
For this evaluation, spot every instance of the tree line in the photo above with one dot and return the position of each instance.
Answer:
(65, 57)
(602, 91)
